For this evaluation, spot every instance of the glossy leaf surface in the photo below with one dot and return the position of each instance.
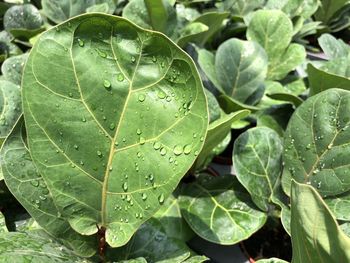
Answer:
(10, 107)
(316, 236)
(316, 143)
(241, 68)
(31, 247)
(27, 185)
(220, 210)
(131, 92)
(257, 157)
(12, 68)
(273, 30)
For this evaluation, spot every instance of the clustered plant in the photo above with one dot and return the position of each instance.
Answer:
(117, 117)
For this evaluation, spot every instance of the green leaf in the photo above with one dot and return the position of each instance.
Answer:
(273, 30)
(169, 216)
(136, 260)
(316, 236)
(229, 104)
(220, 210)
(30, 247)
(316, 143)
(217, 132)
(332, 47)
(149, 14)
(59, 11)
(10, 107)
(3, 227)
(275, 117)
(152, 243)
(101, 8)
(241, 68)
(196, 259)
(345, 227)
(159, 12)
(242, 7)
(340, 206)
(12, 68)
(328, 9)
(23, 21)
(213, 106)
(295, 100)
(321, 80)
(7, 49)
(212, 22)
(257, 157)
(302, 8)
(21, 176)
(189, 33)
(131, 92)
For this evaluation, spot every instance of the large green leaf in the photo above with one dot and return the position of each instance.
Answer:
(29, 188)
(217, 132)
(273, 30)
(131, 92)
(12, 68)
(257, 157)
(316, 143)
(220, 210)
(321, 80)
(241, 68)
(10, 107)
(23, 21)
(30, 247)
(316, 236)
(60, 10)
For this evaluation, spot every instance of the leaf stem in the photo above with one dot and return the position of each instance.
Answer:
(102, 245)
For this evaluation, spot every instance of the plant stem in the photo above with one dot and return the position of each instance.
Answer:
(102, 243)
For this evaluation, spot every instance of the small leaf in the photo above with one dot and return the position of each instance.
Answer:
(314, 229)
(316, 143)
(220, 210)
(273, 30)
(12, 68)
(23, 21)
(241, 68)
(257, 157)
(332, 47)
(271, 260)
(340, 206)
(10, 107)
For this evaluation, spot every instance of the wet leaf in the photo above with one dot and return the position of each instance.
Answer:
(316, 143)
(131, 92)
(219, 209)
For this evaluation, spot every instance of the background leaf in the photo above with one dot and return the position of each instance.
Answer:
(219, 209)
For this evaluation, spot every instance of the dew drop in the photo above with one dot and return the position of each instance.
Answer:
(80, 42)
(76, 147)
(161, 94)
(157, 145)
(120, 77)
(125, 186)
(144, 196)
(142, 140)
(187, 149)
(107, 84)
(178, 150)
(112, 126)
(133, 59)
(142, 97)
(161, 199)
(138, 131)
(163, 151)
(99, 153)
